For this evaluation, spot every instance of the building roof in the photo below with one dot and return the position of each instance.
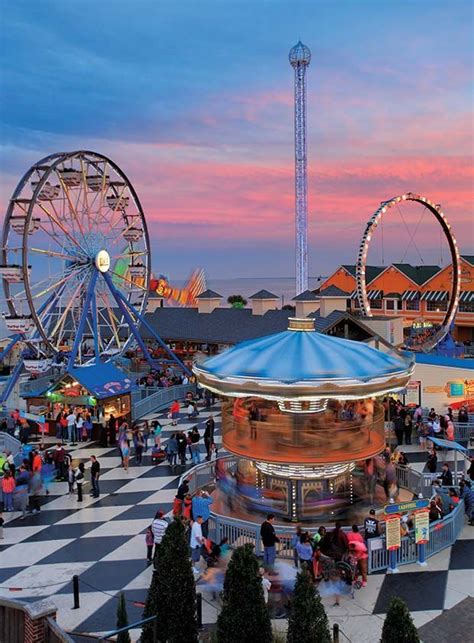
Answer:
(307, 295)
(417, 274)
(264, 294)
(333, 291)
(102, 380)
(303, 363)
(468, 258)
(371, 272)
(209, 294)
(228, 325)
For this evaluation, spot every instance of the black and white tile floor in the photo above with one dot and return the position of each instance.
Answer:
(102, 541)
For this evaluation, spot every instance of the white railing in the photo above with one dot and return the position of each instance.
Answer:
(158, 400)
(443, 533)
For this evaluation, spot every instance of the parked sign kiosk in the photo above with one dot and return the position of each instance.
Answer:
(392, 529)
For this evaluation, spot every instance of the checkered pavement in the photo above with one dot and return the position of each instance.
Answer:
(102, 541)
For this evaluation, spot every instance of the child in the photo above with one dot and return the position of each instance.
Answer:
(149, 540)
(70, 478)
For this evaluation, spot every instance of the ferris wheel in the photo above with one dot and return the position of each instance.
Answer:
(75, 262)
(450, 298)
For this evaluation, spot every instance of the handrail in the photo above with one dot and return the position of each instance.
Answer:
(160, 400)
(242, 531)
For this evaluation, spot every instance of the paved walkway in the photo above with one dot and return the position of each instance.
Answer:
(102, 541)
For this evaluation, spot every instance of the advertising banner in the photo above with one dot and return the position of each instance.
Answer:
(392, 532)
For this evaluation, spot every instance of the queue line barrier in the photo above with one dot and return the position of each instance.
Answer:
(443, 533)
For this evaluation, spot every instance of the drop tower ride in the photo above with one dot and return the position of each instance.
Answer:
(300, 57)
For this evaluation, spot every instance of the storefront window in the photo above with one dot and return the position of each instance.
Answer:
(412, 305)
(436, 306)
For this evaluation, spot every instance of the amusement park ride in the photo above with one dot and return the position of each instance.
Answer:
(75, 265)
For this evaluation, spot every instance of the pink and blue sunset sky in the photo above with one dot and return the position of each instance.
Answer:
(194, 100)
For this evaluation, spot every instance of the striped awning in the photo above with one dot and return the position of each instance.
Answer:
(410, 295)
(375, 294)
(371, 294)
(466, 296)
(434, 295)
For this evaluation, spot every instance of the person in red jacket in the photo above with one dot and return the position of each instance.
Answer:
(174, 412)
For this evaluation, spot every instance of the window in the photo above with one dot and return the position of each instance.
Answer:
(376, 304)
(436, 306)
(390, 304)
(466, 307)
(414, 304)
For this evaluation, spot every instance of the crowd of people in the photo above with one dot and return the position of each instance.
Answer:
(163, 378)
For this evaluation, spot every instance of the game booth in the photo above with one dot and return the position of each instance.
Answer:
(101, 390)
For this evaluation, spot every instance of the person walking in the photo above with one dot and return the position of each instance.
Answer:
(172, 450)
(195, 453)
(371, 526)
(398, 426)
(8, 488)
(408, 428)
(196, 543)
(139, 441)
(95, 473)
(81, 433)
(59, 458)
(432, 461)
(71, 427)
(181, 493)
(182, 443)
(149, 542)
(269, 539)
(446, 476)
(20, 497)
(79, 477)
(174, 412)
(294, 542)
(35, 486)
(157, 429)
(158, 527)
(209, 435)
(201, 506)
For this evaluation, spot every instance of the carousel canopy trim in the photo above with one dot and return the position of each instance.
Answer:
(304, 365)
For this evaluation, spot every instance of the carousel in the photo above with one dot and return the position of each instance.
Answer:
(303, 412)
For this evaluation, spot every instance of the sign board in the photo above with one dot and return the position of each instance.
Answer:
(412, 393)
(422, 527)
(412, 505)
(455, 389)
(392, 532)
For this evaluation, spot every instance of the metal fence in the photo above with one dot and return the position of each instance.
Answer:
(158, 400)
(443, 533)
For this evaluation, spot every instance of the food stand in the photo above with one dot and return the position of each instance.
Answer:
(100, 389)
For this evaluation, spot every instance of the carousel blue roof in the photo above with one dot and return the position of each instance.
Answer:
(303, 357)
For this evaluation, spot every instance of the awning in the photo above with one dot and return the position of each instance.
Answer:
(103, 380)
(434, 295)
(466, 296)
(410, 295)
(449, 444)
(371, 294)
(375, 294)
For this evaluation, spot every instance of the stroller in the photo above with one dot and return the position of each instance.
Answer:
(157, 455)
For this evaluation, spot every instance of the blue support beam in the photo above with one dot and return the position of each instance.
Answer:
(123, 304)
(12, 380)
(95, 328)
(13, 342)
(82, 321)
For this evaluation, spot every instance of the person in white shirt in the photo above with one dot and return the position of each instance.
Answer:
(266, 584)
(196, 543)
(71, 427)
(158, 527)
